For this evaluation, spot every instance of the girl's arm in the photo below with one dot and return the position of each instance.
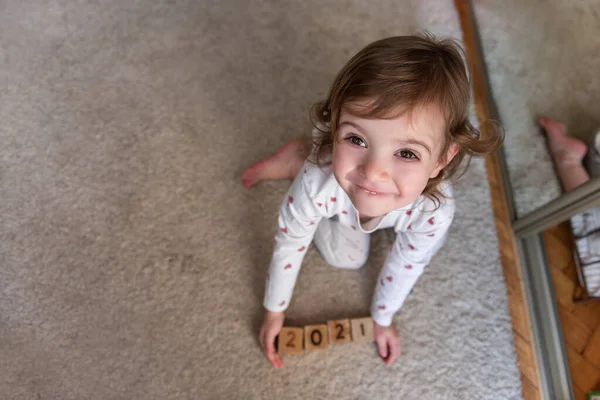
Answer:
(298, 219)
(411, 252)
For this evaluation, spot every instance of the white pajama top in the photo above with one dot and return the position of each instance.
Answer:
(316, 194)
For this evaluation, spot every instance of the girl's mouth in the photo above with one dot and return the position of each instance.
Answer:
(369, 191)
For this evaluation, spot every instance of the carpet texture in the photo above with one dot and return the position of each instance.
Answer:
(133, 260)
(542, 59)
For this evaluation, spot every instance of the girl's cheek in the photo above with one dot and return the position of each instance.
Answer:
(410, 175)
(349, 154)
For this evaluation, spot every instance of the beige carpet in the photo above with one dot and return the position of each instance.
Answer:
(543, 58)
(133, 260)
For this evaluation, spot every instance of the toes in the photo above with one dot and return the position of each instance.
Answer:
(248, 173)
(546, 123)
(249, 183)
(553, 127)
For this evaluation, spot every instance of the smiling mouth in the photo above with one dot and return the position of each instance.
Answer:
(371, 192)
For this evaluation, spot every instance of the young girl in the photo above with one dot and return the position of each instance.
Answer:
(387, 139)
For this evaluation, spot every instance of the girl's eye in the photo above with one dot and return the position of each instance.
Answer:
(409, 155)
(357, 141)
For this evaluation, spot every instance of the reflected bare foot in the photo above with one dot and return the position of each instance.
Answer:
(563, 148)
(284, 164)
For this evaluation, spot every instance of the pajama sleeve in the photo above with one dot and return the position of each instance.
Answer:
(298, 220)
(412, 251)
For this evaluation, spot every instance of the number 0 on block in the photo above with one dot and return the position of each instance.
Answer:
(316, 337)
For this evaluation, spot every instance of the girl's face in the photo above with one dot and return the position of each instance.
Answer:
(384, 164)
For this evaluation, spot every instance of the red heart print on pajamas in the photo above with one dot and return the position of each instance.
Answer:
(333, 199)
(312, 222)
(290, 199)
(409, 228)
(353, 227)
(381, 307)
(344, 212)
(409, 212)
(284, 230)
(282, 303)
(319, 204)
(431, 235)
(302, 248)
(430, 220)
(389, 278)
(410, 246)
(288, 266)
(408, 266)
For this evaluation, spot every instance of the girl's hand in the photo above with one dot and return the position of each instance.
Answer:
(272, 324)
(388, 342)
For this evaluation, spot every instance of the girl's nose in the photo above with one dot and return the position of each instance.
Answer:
(373, 169)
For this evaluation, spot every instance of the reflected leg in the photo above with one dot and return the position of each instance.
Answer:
(567, 154)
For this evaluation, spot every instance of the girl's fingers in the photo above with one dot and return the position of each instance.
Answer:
(394, 349)
(394, 352)
(277, 363)
(382, 346)
(269, 345)
(270, 351)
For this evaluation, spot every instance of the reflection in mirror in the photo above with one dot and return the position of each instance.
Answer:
(573, 270)
(543, 63)
(542, 60)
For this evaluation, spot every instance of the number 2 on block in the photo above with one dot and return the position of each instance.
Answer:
(291, 340)
(292, 336)
(339, 331)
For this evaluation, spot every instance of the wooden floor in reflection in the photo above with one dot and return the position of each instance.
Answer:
(580, 321)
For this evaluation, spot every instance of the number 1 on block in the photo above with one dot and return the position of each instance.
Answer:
(362, 330)
(291, 341)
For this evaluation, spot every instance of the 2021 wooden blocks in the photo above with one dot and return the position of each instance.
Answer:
(294, 340)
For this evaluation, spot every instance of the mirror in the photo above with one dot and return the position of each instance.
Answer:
(542, 59)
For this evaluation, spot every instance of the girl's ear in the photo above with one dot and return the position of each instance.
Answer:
(445, 160)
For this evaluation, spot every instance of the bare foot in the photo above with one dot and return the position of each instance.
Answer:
(284, 164)
(563, 148)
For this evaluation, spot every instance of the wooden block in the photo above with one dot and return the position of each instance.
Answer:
(316, 337)
(339, 331)
(291, 340)
(362, 330)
